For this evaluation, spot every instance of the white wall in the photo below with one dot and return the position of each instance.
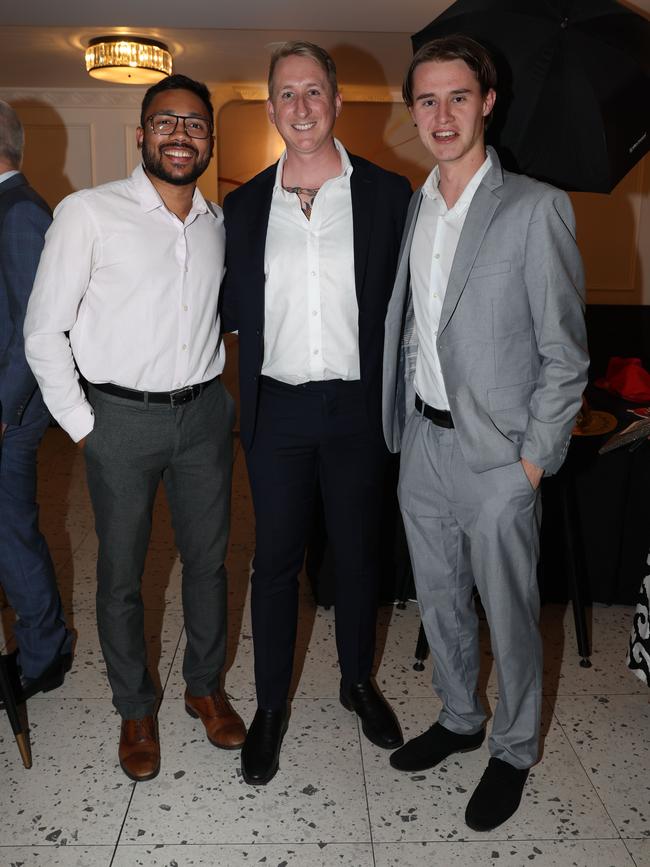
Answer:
(79, 138)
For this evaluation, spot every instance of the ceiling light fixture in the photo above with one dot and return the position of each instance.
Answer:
(128, 59)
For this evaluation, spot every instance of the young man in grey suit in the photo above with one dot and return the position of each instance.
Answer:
(485, 362)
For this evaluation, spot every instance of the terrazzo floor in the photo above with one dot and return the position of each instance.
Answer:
(336, 800)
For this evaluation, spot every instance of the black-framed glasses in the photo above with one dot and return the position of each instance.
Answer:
(165, 124)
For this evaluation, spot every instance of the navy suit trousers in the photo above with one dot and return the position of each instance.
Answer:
(304, 433)
(26, 571)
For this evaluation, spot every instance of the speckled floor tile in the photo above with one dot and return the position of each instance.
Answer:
(56, 856)
(539, 853)
(302, 855)
(610, 736)
(87, 677)
(334, 787)
(640, 851)
(397, 634)
(316, 669)
(75, 792)
(317, 796)
(559, 800)
(610, 629)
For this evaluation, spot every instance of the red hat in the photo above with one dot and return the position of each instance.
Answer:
(627, 378)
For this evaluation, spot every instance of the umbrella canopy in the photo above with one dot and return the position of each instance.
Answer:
(573, 100)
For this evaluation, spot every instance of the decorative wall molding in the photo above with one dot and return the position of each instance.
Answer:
(63, 97)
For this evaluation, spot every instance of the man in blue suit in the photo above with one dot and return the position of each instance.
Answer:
(26, 571)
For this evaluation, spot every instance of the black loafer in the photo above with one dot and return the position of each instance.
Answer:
(260, 756)
(497, 796)
(378, 721)
(434, 746)
(51, 678)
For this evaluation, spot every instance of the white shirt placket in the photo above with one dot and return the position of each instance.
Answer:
(184, 318)
(316, 362)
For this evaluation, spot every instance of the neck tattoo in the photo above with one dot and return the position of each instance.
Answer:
(306, 196)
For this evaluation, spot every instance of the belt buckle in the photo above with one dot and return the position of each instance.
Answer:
(181, 395)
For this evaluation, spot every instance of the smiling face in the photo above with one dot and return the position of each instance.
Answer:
(175, 159)
(450, 112)
(302, 105)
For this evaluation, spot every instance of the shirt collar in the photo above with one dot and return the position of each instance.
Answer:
(6, 175)
(430, 188)
(150, 199)
(346, 165)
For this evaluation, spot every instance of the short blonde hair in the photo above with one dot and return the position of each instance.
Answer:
(304, 49)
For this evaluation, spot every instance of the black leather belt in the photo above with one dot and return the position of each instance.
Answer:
(441, 417)
(173, 398)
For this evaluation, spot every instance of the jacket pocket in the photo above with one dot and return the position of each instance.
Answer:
(510, 396)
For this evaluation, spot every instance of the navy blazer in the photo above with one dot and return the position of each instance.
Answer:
(24, 219)
(379, 204)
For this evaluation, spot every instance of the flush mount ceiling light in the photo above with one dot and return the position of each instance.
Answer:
(128, 59)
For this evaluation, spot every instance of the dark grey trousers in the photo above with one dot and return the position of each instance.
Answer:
(130, 450)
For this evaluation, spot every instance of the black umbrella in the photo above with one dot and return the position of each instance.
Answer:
(573, 103)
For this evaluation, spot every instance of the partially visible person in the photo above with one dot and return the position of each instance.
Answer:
(132, 271)
(638, 653)
(485, 362)
(44, 644)
(312, 244)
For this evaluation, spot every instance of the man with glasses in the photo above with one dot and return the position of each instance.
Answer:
(131, 270)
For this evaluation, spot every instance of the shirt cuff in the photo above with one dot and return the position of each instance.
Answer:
(79, 422)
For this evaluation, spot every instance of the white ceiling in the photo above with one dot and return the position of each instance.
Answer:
(42, 41)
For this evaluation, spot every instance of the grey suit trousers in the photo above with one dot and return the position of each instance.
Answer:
(131, 449)
(465, 528)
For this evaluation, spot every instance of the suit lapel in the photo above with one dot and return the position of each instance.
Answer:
(363, 192)
(258, 222)
(479, 217)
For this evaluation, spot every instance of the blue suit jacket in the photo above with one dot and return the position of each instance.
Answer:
(379, 204)
(24, 219)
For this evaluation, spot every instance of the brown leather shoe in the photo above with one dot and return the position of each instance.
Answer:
(224, 727)
(139, 751)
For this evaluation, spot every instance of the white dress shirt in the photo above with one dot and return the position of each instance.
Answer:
(435, 239)
(136, 288)
(311, 314)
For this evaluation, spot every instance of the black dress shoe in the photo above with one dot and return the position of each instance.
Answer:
(436, 744)
(497, 796)
(50, 679)
(378, 721)
(261, 751)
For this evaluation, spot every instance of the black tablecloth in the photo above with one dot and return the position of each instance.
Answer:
(613, 514)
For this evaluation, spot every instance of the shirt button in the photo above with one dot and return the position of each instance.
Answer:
(315, 352)
(313, 273)
(185, 307)
(436, 255)
(314, 313)
(184, 347)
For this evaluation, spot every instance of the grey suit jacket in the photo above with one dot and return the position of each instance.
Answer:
(512, 339)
